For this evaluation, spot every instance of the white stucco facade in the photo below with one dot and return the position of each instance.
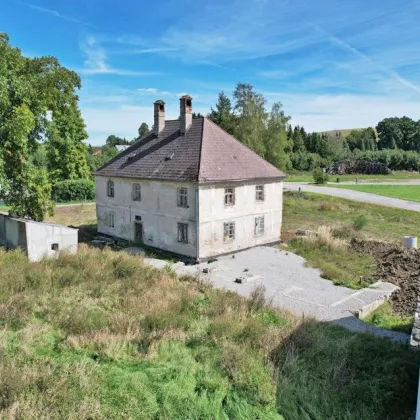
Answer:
(214, 214)
(158, 209)
(159, 214)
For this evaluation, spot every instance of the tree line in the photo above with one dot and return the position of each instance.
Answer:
(270, 134)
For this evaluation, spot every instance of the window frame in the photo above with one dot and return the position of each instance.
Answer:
(110, 188)
(229, 192)
(259, 193)
(111, 216)
(182, 195)
(259, 226)
(229, 232)
(136, 192)
(183, 233)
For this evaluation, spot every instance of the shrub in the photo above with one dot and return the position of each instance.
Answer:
(319, 176)
(73, 190)
(360, 222)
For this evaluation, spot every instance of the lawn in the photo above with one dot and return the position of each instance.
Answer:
(101, 335)
(404, 192)
(294, 176)
(383, 317)
(309, 211)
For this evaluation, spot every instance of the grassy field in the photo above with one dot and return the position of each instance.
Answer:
(293, 176)
(100, 335)
(383, 317)
(404, 192)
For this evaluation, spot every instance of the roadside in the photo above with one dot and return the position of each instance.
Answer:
(363, 197)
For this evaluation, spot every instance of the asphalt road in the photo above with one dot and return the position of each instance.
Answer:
(357, 195)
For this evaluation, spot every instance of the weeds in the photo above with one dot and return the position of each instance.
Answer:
(100, 335)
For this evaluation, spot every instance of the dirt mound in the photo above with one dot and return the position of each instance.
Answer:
(396, 265)
(358, 166)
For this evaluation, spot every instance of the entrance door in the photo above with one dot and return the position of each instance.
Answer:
(138, 232)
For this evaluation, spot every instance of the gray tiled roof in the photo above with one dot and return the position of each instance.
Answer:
(205, 153)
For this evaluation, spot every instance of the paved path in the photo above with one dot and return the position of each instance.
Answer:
(291, 286)
(356, 195)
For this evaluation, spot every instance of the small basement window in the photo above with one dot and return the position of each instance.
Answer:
(229, 196)
(55, 247)
(136, 192)
(110, 188)
(259, 193)
(259, 226)
(111, 220)
(182, 197)
(229, 231)
(183, 232)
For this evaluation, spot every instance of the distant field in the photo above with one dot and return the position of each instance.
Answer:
(340, 133)
(395, 176)
(404, 192)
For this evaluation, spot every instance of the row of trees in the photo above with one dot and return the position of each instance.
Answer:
(270, 134)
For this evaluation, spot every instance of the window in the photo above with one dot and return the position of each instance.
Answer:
(110, 188)
(259, 226)
(229, 231)
(259, 192)
(229, 196)
(111, 220)
(136, 192)
(182, 197)
(183, 232)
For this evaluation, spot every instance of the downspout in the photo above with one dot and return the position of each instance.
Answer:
(197, 224)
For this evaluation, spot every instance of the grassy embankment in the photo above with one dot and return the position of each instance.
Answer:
(294, 176)
(100, 335)
(404, 192)
(341, 264)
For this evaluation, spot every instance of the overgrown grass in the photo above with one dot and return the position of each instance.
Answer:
(296, 176)
(309, 211)
(100, 335)
(404, 192)
(383, 317)
(336, 260)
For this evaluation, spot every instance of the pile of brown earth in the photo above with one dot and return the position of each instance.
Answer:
(396, 265)
(358, 166)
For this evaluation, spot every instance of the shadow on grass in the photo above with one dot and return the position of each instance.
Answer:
(326, 371)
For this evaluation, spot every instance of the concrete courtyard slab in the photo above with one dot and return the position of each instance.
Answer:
(291, 286)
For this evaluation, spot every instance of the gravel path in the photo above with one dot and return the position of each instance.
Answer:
(292, 286)
(356, 195)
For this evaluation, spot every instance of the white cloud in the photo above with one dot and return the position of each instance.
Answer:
(96, 60)
(55, 13)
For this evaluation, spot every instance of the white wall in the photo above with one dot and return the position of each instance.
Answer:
(213, 213)
(41, 236)
(158, 209)
(37, 238)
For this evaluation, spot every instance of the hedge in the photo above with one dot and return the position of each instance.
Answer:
(73, 190)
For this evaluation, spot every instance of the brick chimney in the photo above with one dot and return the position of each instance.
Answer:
(185, 107)
(159, 120)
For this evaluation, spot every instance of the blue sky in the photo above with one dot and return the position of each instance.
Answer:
(333, 64)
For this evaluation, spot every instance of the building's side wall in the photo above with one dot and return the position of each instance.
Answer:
(158, 209)
(40, 238)
(213, 214)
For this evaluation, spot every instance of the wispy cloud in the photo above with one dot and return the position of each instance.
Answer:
(392, 73)
(56, 14)
(96, 61)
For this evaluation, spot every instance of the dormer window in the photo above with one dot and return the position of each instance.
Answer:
(110, 188)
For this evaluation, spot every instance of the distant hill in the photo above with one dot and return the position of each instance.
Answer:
(341, 133)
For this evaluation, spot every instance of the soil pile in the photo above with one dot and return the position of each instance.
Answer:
(358, 166)
(396, 265)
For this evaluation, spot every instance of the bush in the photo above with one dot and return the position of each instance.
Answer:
(73, 190)
(360, 222)
(319, 176)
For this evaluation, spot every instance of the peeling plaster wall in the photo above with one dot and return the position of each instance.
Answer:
(158, 210)
(213, 213)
